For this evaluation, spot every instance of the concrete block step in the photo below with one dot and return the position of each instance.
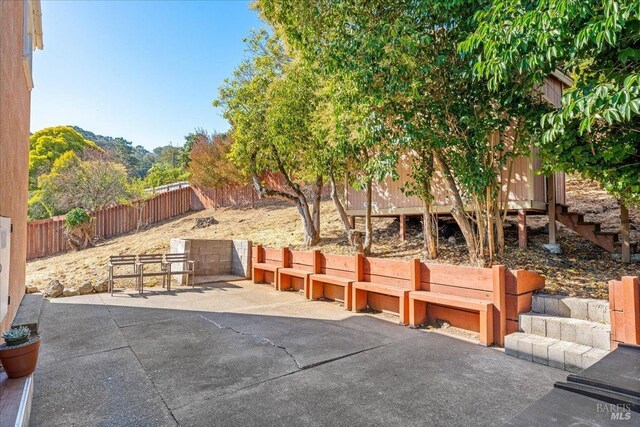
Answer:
(578, 331)
(29, 312)
(552, 352)
(594, 310)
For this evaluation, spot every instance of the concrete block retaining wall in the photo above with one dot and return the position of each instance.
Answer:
(215, 257)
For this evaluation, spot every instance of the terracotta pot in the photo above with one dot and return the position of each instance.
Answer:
(20, 361)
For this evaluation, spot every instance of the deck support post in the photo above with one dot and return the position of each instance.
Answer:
(352, 222)
(522, 229)
(553, 247)
(624, 233)
(551, 208)
(403, 227)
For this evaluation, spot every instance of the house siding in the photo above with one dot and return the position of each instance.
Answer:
(15, 104)
(527, 189)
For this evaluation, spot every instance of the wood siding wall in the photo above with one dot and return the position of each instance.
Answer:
(526, 191)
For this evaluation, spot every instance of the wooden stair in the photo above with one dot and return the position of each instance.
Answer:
(607, 240)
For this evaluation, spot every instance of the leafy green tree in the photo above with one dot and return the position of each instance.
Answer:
(163, 173)
(402, 88)
(269, 103)
(92, 183)
(595, 132)
(47, 145)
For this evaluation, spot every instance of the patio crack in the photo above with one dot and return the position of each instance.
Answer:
(259, 339)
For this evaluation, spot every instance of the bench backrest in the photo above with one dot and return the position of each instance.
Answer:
(457, 280)
(391, 272)
(300, 260)
(338, 265)
(123, 259)
(272, 256)
(150, 258)
(176, 257)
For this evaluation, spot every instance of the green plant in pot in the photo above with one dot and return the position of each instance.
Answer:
(19, 353)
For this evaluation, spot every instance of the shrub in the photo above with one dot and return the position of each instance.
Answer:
(76, 217)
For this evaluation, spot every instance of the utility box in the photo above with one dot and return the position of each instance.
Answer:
(5, 257)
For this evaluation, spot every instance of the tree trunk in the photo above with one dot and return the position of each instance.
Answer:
(368, 229)
(299, 200)
(457, 209)
(430, 244)
(353, 237)
(316, 205)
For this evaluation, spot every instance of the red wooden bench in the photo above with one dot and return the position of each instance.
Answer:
(265, 265)
(297, 266)
(456, 293)
(334, 278)
(382, 284)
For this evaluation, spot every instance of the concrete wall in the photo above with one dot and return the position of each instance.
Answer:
(215, 257)
(15, 104)
(241, 258)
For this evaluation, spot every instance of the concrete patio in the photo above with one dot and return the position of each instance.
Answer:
(238, 353)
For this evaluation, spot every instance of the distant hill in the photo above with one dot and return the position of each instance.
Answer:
(138, 160)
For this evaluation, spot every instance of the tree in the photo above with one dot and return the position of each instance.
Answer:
(269, 103)
(405, 90)
(209, 165)
(595, 132)
(92, 184)
(47, 145)
(163, 173)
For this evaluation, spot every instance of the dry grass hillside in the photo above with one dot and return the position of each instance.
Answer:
(583, 269)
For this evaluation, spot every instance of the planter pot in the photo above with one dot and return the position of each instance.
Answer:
(20, 360)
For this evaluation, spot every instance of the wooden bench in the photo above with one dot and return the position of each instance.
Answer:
(123, 261)
(265, 260)
(334, 278)
(185, 266)
(148, 260)
(295, 264)
(389, 279)
(456, 293)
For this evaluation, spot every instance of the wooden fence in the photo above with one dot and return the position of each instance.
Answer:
(46, 237)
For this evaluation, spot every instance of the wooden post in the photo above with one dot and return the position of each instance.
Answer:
(499, 303)
(415, 274)
(359, 267)
(352, 222)
(522, 229)
(259, 254)
(624, 233)
(286, 258)
(403, 227)
(631, 309)
(317, 261)
(551, 207)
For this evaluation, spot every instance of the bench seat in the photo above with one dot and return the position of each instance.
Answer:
(293, 272)
(417, 315)
(258, 270)
(359, 297)
(316, 287)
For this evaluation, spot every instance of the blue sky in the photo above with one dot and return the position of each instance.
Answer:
(143, 70)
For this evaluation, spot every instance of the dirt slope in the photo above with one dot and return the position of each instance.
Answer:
(583, 269)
